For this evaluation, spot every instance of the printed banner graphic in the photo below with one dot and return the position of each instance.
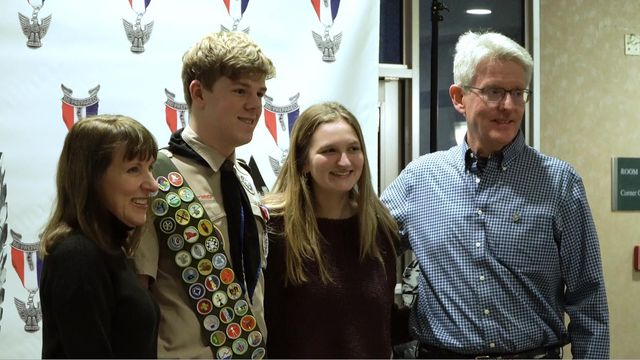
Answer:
(32, 28)
(137, 34)
(76, 109)
(28, 266)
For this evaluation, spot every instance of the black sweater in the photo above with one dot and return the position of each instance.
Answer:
(350, 318)
(93, 305)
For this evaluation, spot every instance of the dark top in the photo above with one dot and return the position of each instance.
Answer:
(350, 318)
(93, 305)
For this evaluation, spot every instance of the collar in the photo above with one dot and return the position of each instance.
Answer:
(186, 142)
(505, 157)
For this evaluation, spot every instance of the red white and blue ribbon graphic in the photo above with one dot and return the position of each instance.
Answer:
(139, 6)
(326, 9)
(236, 8)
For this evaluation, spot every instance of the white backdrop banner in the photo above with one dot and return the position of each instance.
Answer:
(63, 60)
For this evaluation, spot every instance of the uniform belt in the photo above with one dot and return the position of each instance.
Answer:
(432, 352)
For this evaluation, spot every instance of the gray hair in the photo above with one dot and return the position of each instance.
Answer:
(474, 48)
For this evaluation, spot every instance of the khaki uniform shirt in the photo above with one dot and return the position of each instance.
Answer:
(179, 334)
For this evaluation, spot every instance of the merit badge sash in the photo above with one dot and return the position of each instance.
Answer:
(218, 300)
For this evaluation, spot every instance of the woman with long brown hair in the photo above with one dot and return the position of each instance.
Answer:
(92, 303)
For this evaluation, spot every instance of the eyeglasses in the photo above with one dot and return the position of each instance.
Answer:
(497, 94)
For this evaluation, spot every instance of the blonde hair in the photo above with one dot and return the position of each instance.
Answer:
(292, 199)
(87, 152)
(231, 54)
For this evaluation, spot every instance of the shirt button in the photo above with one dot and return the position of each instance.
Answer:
(492, 345)
(481, 277)
(478, 244)
(487, 312)
(477, 180)
(479, 212)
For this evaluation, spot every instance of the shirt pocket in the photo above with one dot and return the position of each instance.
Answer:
(522, 239)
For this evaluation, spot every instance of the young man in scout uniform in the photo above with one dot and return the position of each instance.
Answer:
(202, 256)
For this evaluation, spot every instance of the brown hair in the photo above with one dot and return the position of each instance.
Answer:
(292, 198)
(231, 54)
(87, 152)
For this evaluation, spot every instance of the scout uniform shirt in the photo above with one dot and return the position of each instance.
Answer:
(180, 330)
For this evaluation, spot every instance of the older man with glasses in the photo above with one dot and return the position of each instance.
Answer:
(503, 235)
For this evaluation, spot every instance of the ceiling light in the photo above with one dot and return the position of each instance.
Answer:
(479, 11)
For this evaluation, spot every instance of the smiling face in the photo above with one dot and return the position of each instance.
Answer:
(335, 159)
(126, 186)
(225, 116)
(491, 126)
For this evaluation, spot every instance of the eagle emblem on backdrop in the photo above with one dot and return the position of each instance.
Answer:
(33, 28)
(327, 10)
(4, 227)
(138, 34)
(177, 114)
(76, 109)
(279, 120)
(28, 266)
(235, 9)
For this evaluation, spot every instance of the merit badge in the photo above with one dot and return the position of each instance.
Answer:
(211, 323)
(226, 276)
(196, 291)
(205, 227)
(234, 291)
(218, 338)
(196, 210)
(173, 199)
(175, 179)
(219, 298)
(258, 354)
(183, 258)
(205, 267)
(163, 183)
(175, 242)
(219, 261)
(197, 251)
(241, 307)
(212, 244)
(233, 331)
(248, 323)
(191, 234)
(239, 346)
(255, 338)
(212, 283)
(190, 275)
(224, 353)
(186, 194)
(182, 217)
(167, 225)
(159, 207)
(226, 315)
(204, 306)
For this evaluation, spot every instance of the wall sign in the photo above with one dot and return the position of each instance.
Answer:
(625, 184)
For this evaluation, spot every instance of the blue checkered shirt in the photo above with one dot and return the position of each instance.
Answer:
(503, 256)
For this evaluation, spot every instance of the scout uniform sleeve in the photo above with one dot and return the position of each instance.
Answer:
(147, 255)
